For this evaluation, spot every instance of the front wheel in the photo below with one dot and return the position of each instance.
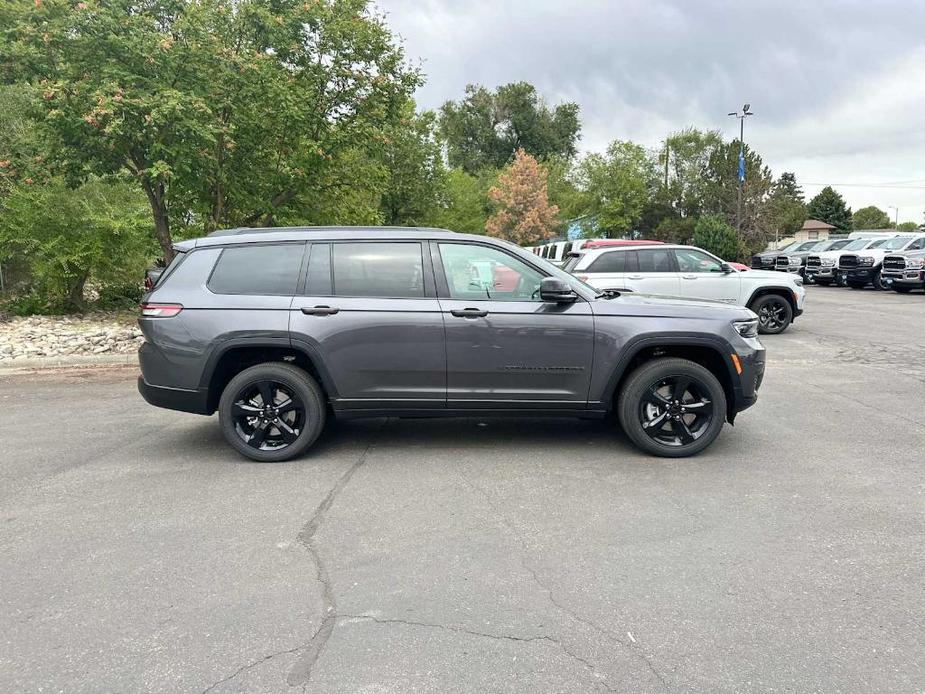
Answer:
(774, 313)
(271, 412)
(672, 408)
(880, 283)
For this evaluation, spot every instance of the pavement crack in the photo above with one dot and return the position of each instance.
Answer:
(301, 672)
(251, 666)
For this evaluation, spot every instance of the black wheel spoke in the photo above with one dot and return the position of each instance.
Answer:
(702, 408)
(258, 437)
(654, 397)
(683, 432)
(288, 434)
(286, 406)
(656, 422)
(681, 384)
(266, 392)
(244, 409)
(261, 422)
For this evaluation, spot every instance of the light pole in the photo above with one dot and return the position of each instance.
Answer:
(741, 116)
(896, 216)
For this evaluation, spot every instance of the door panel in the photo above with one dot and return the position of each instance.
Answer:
(503, 344)
(653, 271)
(377, 351)
(702, 277)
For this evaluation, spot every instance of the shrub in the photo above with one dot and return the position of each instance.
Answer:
(712, 234)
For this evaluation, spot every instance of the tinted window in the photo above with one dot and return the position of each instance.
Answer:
(690, 260)
(476, 272)
(378, 269)
(615, 261)
(655, 260)
(257, 270)
(916, 245)
(318, 280)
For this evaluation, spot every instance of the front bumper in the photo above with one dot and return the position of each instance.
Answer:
(865, 274)
(820, 272)
(913, 279)
(745, 391)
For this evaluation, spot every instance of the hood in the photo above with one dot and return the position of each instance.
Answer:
(770, 275)
(635, 304)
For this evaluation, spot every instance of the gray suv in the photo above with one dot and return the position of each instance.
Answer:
(278, 328)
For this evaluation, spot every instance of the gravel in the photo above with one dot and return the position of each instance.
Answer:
(57, 336)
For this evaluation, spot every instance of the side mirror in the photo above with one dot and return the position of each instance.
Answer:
(557, 291)
(726, 268)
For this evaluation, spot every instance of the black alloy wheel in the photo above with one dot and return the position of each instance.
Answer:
(672, 407)
(774, 314)
(676, 411)
(272, 412)
(268, 416)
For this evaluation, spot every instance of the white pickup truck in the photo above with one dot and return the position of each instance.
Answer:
(861, 268)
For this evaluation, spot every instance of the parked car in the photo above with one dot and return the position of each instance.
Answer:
(903, 272)
(822, 267)
(275, 328)
(795, 261)
(690, 272)
(864, 267)
(766, 259)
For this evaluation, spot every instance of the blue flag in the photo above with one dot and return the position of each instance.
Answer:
(741, 166)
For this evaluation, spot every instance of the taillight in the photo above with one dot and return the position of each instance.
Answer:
(160, 310)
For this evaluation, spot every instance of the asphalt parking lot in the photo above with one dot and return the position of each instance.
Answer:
(140, 554)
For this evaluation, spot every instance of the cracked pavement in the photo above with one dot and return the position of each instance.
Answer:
(139, 553)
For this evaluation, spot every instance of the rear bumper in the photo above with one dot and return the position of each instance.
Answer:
(194, 401)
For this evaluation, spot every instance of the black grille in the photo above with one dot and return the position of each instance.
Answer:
(894, 262)
(848, 261)
(783, 261)
(814, 261)
(760, 261)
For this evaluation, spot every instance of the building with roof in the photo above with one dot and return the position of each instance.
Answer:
(814, 230)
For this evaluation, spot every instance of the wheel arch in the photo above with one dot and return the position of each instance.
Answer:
(713, 353)
(783, 292)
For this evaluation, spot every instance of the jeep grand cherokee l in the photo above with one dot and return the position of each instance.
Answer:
(275, 328)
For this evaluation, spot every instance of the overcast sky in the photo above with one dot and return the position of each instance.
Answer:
(838, 88)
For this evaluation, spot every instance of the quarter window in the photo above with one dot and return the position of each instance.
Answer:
(690, 260)
(477, 272)
(266, 270)
(394, 270)
(615, 261)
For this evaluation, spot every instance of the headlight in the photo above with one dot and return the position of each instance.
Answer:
(865, 260)
(914, 263)
(746, 328)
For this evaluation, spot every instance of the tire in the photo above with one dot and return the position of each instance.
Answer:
(248, 423)
(636, 406)
(774, 313)
(879, 284)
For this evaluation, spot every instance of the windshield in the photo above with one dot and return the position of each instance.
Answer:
(837, 245)
(896, 243)
(856, 245)
(806, 246)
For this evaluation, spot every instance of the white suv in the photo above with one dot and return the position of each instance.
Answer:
(686, 271)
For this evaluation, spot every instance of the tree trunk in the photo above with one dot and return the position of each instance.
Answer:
(75, 293)
(157, 198)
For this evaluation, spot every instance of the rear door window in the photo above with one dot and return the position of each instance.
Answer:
(655, 260)
(614, 261)
(262, 270)
(386, 270)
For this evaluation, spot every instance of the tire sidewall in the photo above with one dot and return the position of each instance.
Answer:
(643, 378)
(292, 377)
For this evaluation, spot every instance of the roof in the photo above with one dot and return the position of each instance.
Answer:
(225, 237)
(815, 225)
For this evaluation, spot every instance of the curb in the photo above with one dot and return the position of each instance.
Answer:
(13, 365)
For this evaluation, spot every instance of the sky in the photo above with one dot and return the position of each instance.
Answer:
(837, 88)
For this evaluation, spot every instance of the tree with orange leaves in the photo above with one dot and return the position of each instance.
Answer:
(522, 210)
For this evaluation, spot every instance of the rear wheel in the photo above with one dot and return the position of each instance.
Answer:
(672, 408)
(774, 313)
(271, 412)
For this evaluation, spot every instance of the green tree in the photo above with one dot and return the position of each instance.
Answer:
(907, 226)
(829, 207)
(485, 128)
(415, 175)
(871, 217)
(713, 234)
(675, 230)
(522, 213)
(721, 192)
(99, 231)
(224, 112)
(465, 206)
(616, 186)
(786, 210)
(688, 155)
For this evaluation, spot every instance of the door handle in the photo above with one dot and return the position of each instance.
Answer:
(637, 277)
(319, 311)
(469, 313)
(688, 277)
